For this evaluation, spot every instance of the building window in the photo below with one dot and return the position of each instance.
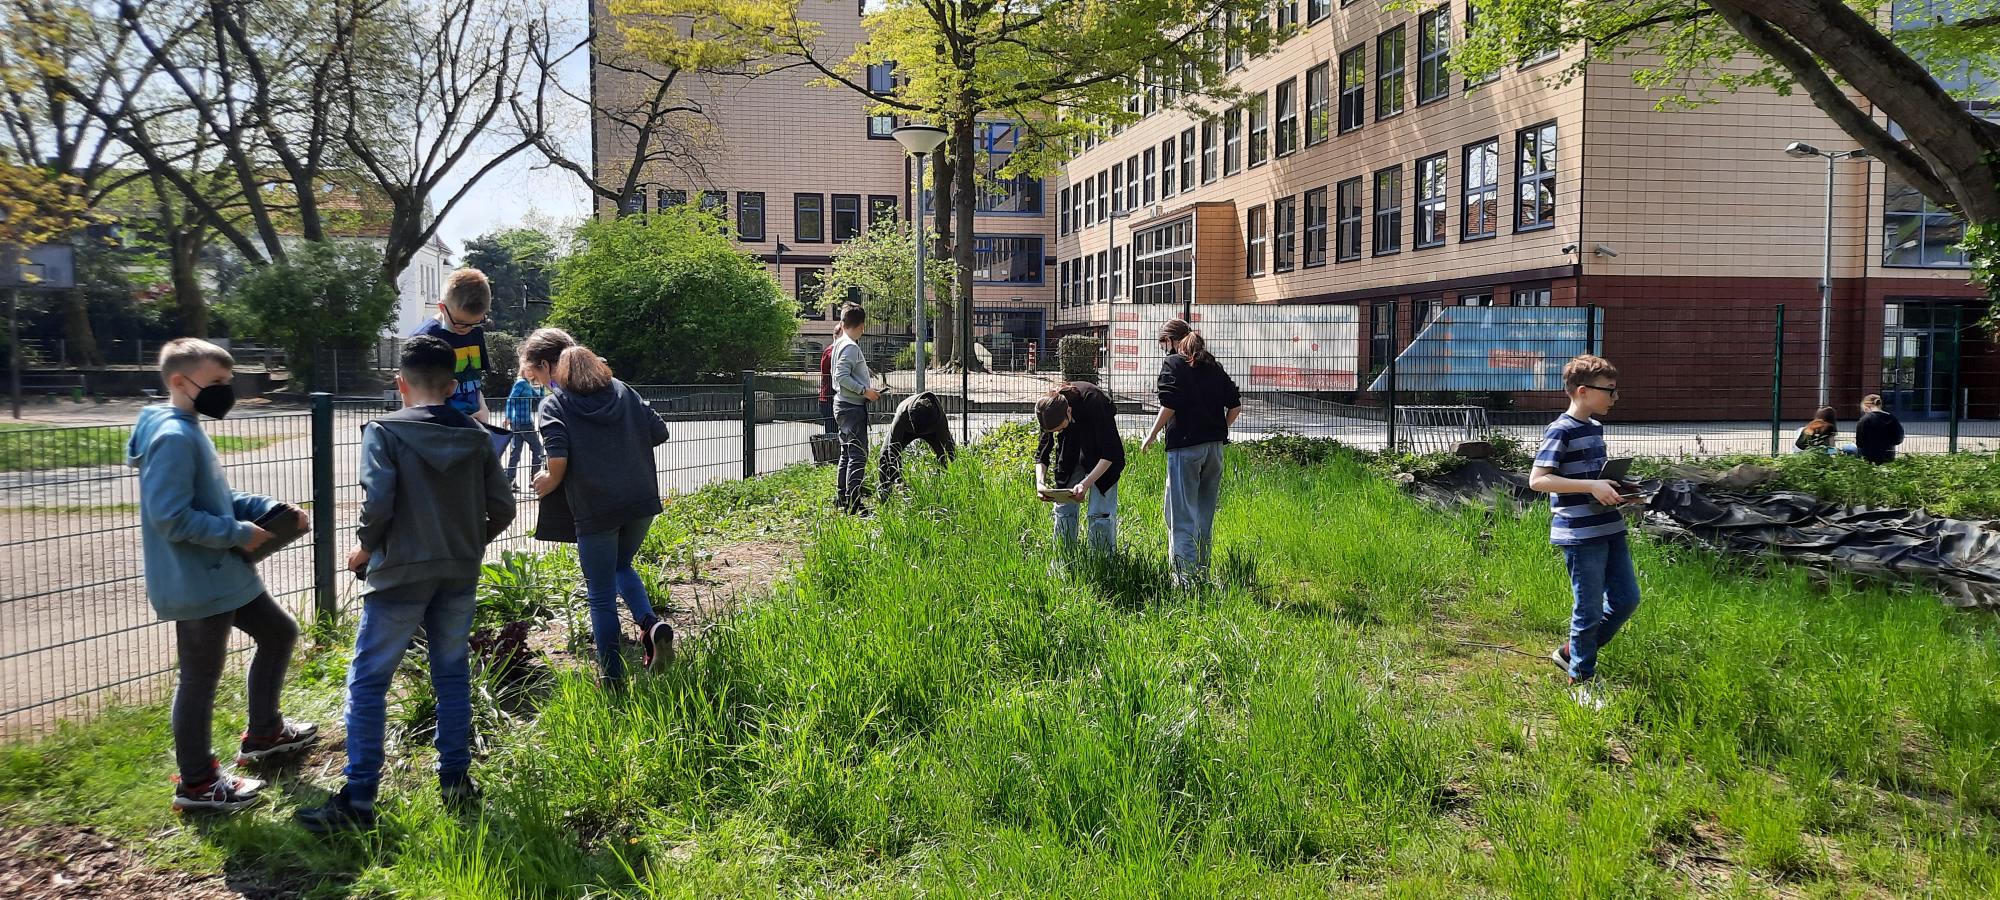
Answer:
(1317, 10)
(1475, 79)
(1232, 26)
(1007, 260)
(883, 208)
(1187, 160)
(669, 199)
(1430, 222)
(881, 82)
(1315, 227)
(1347, 221)
(809, 218)
(1424, 311)
(749, 216)
(1256, 236)
(1103, 276)
(1076, 205)
(1132, 183)
(1208, 151)
(1318, 99)
(1232, 141)
(1476, 298)
(1288, 13)
(846, 216)
(1390, 50)
(1149, 185)
(811, 295)
(1433, 54)
(1260, 130)
(1087, 291)
(1535, 187)
(1169, 167)
(1163, 264)
(715, 203)
(1117, 272)
(1062, 212)
(1353, 88)
(1062, 284)
(1389, 211)
(1917, 232)
(635, 202)
(1532, 296)
(1117, 188)
(1479, 217)
(1286, 233)
(1381, 336)
(1288, 117)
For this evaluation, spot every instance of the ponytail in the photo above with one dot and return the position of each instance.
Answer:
(1187, 342)
(580, 371)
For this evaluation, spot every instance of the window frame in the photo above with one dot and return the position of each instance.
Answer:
(1211, 149)
(1170, 166)
(1434, 26)
(1256, 238)
(1317, 10)
(1040, 257)
(1442, 200)
(1319, 116)
(834, 231)
(1284, 234)
(742, 206)
(1316, 227)
(1544, 174)
(1286, 137)
(1358, 91)
(1346, 243)
(1540, 295)
(1488, 191)
(877, 202)
(1260, 109)
(1388, 220)
(1188, 160)
(799, 218)
(1149, 180)
(1232, 141)
(1385, 92)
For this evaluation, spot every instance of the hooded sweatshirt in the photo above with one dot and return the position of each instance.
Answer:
(190, 520)
(433, 495)
(608, 438)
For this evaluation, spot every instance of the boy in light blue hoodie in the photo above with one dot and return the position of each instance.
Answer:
(193, 528)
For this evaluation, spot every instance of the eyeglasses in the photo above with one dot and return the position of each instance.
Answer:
(1609, 390)
(473, 324)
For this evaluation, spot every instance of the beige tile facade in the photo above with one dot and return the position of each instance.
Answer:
(785, 137)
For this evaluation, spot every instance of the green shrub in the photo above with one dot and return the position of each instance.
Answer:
(906, 358)
(1079, 356)
(322, 298)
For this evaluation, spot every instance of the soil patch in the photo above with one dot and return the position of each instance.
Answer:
(49, 862)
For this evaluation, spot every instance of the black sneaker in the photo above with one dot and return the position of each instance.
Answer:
(289, 739)
(659, 641)
(459, 792)
(338, 813)
(222, 793)
(1560, 656)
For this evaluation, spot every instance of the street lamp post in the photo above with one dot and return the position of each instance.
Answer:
(1803, 150)
(919, 141)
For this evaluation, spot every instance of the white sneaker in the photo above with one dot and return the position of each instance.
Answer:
(1586, 695)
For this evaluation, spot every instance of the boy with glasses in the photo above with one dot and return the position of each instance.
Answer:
(1586, 523)
(461, 324)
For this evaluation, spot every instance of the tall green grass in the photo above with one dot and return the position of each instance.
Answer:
(931, 708)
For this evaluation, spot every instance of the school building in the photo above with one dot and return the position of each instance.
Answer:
(1358, 170)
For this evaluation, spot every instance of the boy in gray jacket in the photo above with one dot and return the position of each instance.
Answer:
(850, 405)
(434, 494)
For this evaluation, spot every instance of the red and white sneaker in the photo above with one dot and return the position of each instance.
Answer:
(289, 739)
(223, 793)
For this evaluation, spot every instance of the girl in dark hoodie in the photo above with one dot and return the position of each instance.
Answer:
(600, 435)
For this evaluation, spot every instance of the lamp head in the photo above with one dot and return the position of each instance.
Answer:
(919, 138)
(1800, 150)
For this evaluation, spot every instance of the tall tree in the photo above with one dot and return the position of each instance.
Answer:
(520, 263)
(882, 264)
(1057, 69)
(1919, 62)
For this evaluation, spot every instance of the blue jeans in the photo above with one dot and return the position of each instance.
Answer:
(1607, 592)
(853, 420)
(530, 439)
(606, 560)
(1194, 485)
(389, 618)
(1103, 527)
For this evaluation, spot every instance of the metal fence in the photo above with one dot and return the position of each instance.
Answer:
(76, 630)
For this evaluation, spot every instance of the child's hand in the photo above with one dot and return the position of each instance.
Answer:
(258, 538)
(1606, 492)
(872, 394)
(1147, 444)
(357, 561)
(543, 483)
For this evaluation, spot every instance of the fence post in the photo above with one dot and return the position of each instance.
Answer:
(749, 424)
(1957, 365)
(1389, 410)
(324, 594)
(1777, 379)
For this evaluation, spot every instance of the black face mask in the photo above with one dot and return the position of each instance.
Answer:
(215, 401)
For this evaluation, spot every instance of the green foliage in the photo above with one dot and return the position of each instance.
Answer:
(503, 363)
(882, 263)
(520, 263)
(667, 298)
(1079, 355)
(1959, 486)
(323, 297)
(26, 448)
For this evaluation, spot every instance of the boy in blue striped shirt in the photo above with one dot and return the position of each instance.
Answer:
(1586, 523)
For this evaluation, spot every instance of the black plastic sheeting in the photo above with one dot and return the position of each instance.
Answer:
(1960, 558)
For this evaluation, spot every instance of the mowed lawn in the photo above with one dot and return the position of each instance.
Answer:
(930, 708)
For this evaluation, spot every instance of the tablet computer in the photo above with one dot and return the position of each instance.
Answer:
(1615, 468)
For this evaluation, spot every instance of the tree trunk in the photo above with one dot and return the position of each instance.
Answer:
(964, 199)
(77, 335)
(190, 306)
(945, 324)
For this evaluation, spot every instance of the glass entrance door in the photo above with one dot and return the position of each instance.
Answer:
(1918, 354)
